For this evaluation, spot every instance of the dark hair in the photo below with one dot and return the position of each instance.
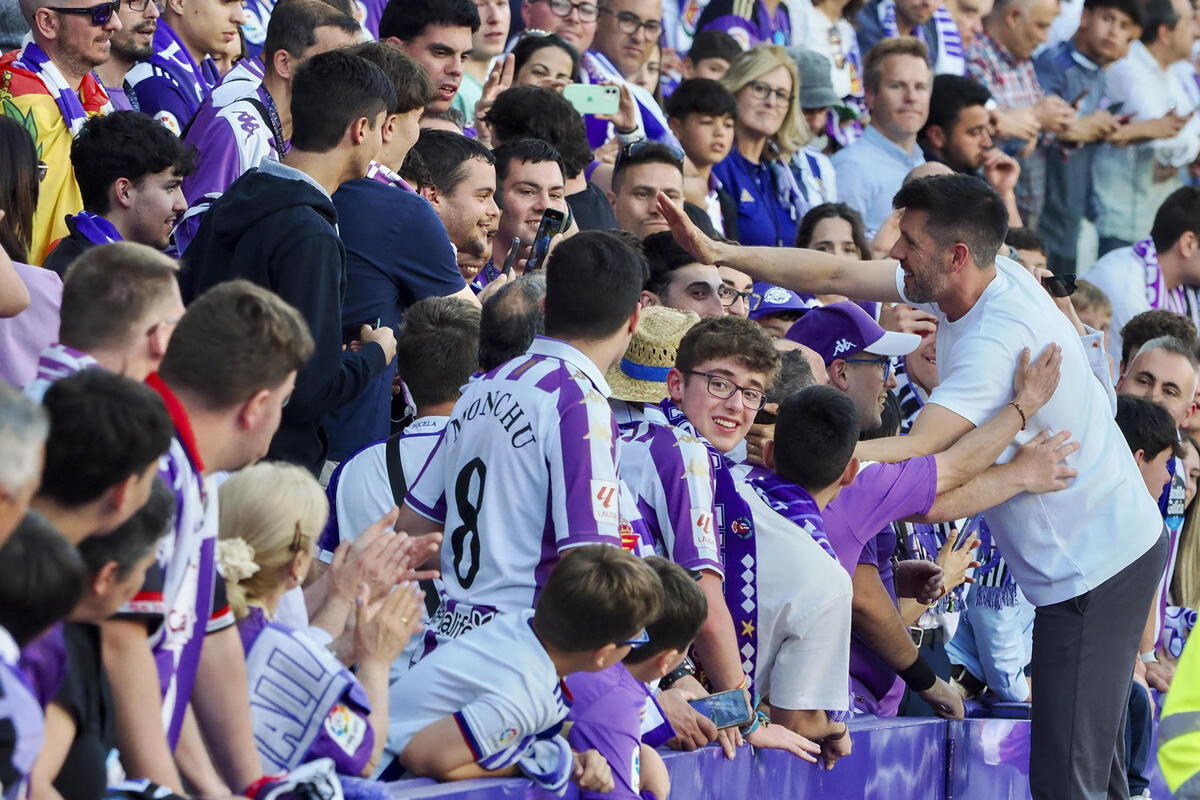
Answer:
(962, 208)
(18, 188)
(593, 282)
(889, 420)
(344, 6)
(1130, 8)
(729, 337)
(235, 340)
(815, 435)
(360, 88)
(530, 112)
(595, 596)
(951, 94)
(408, 19)
(124, 144)
(510, 319)
(713, 43)
(1157, 14)
(1146, 426)
(293, 27)
(684, 610)
(701, 96)
(415, 171)
(1178, 214)
(795, 373)
(135, 539)
(103, 428)
(437, 349)
(43, 578)
(108, 291)
(858, 231)
(529, 44)
(1153, 324)
(530, 151)
(451, 115)
(663, 255)
(643, 153)
(1025, 239)
(446, 155)
(414, 88)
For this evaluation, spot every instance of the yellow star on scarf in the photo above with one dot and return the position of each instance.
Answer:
(748, 628)
(599, 430)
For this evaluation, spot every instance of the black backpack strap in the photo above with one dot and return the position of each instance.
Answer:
(399, 492)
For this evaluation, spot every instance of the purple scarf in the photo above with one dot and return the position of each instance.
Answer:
(95, 228)
(34, 59)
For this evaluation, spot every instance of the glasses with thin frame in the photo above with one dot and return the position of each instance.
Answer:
(885, 362)
(722, 388)
(100, 14)
(630, 23)
(763, 91)
(140, 6)
(588, 12)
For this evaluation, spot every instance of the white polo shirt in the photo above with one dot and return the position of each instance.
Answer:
(1060, 544)
(803, 615)
(526, 469)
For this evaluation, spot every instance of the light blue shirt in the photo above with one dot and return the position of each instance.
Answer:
(870, 172)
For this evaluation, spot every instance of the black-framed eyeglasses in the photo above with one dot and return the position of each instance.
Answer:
(637, 641)
(763, 91)
(729, 296)
(140, 6)
(722, 388)
(42, 169)
(630, 23)
(100, 14)
(885, 362)
(636, 149)
(588, 12)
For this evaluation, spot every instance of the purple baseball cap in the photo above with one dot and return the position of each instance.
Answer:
(843, 329)
(776, 299)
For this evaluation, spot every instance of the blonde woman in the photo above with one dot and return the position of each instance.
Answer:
(304, 703)
(769, 130)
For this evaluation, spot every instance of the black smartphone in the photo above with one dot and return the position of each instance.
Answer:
(550, 226)
(1059, 285)
(725, 709)
(512, 256)
(353, 331)
(1115, 109)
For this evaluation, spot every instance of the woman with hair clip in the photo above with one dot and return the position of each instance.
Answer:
(30, 297)
(768, 131)
(270, 517)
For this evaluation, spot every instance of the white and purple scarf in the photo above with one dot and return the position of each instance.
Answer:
(173, 58)
(951, 58)
(34, 59)
(1181, 299)
(598, 69)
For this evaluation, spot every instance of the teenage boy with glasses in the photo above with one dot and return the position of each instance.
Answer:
(49, 87)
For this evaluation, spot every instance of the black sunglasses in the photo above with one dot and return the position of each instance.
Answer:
(100, 14)
(635, 149)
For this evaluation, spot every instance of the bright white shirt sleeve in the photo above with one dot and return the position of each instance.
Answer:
(810, 669)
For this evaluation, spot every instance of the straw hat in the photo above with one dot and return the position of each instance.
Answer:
(641, 376)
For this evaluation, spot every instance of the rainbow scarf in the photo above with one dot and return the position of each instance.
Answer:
(75, 112)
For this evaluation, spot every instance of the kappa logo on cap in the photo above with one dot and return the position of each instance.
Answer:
(776, 296)
(842, 346)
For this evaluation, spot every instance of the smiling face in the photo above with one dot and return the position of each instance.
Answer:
(442, 50)
(156, 201)
(865, 385)
(724, 423)
(528, 190)
(921, 258)
(1163, 377)
(547, 68)
(470, 213)
(921, 364)
(764, 116)
(900, 106)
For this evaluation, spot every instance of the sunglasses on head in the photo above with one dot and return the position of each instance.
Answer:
(634, 149)
(100, 14)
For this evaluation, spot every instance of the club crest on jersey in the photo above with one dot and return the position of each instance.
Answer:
(629, 538)
(605, 496)
(842, 346)
(169, 122)
(740, 527)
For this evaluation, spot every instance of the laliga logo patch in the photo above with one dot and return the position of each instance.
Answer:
(507, 736)
(776, 296)
(345, 728)
(842, 346)
(604, 502)
(169, 122)
(702, 531)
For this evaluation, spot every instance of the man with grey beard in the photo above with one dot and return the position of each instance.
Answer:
(132, 43)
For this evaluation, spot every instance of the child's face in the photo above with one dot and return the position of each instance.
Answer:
(1095, 318)
(706, 138)
(1032, 259)
(1154, 472)
(712, 68)
(724, 422)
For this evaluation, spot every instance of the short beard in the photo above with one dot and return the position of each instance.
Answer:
(132, 52)
(922, 290)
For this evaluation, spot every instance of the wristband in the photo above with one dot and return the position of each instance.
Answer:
(684, 669)
(624, 131)
(1024, 421)
(918, 676)
(1149, 658)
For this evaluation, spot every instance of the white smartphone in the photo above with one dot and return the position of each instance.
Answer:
(591, 98)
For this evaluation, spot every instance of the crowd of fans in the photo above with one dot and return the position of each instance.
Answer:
(319, 468)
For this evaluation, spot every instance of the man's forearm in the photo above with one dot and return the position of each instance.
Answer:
(716, 644)
(814, 272)
(977, 450)
(138, 704)
(192, 759)
(995, 485)
(878, 623)
(814, 725)
(222, 704)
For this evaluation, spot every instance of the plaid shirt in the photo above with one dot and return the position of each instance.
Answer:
(1013, 84)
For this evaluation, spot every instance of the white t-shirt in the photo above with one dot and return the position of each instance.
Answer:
(497, 682)
(1060, 544)
(803, 615)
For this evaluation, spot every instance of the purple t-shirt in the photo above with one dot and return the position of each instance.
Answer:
(23, 337)
(876, 686)
(22, 726)
(44, 664)
(880, 495)
(607, 718)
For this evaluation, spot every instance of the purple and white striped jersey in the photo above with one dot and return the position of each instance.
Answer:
(170, 85)
(668, 471)
(526, 469)
(22, 726)
(55, 362)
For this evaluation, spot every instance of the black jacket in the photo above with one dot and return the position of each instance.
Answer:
(69, 248)
(279, 233)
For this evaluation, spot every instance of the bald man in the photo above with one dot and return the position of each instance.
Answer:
(73, 36)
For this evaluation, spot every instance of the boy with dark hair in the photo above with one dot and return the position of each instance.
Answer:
(491, 703)
(248, 117)
(1153, 324)
(277, 226)
(701, 113)
(710, 55)
(129, 168)
(397, 250)
(437, 35)
(529, 180)
(606, 713)
(678, 281)
(1030, 248)
(120, 303)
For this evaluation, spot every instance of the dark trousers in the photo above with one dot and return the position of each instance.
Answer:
(933, 651)
(1139, 730)
(1083, 655)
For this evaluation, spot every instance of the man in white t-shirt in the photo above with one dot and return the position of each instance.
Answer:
(527, 467)
(1088, 557)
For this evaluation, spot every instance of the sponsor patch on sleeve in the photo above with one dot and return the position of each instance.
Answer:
(702, 533)
(345, 728)
(605, 502)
